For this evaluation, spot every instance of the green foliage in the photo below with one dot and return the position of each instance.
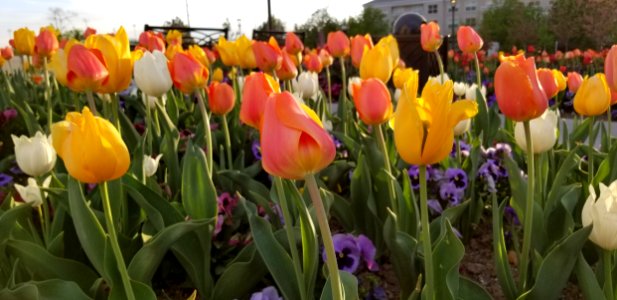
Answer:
(317, 27)
(371, 20)
(277, 25)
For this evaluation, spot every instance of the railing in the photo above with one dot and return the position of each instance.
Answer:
(264, 35)
(195, 35)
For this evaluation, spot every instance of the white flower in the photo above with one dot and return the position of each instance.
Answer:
(462, 127)
(460, 89)
(32, 193)
(543, 132)
(14, 65)
(603, 214)
(150, 101)
(151, 164)
(351, 82)
(438, 78)
(151, 74)
(307, 84)
(470, 94)
(35, 156)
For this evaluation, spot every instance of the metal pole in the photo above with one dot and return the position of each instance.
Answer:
(269, 17)
(453, 2)
(188, 22)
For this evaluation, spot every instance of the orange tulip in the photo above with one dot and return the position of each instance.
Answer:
(86, 69)
(312, 62)
(257, 88)
(610, 68)
(372, 100)
(187, 73)
(293, 44)
(89, 31)
(221, 98)
(46, 43)
(338, 44)
(574, 81)
(152, 41)
(293, 141)
(430, 38)
(358, 43)
(548, 81)
(468, 40)
(519, 93)
(326, 58)
(613, 97)
(7, 52)
(287, 69)
(268, 56)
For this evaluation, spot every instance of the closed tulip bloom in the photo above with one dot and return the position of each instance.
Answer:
(227, 51)
(326, 58)
(613, 97)
(610, 68)
(358, 43)
(376, 63)
(312, 62)
(520, 95)
(199, 54)
(23, 40)
(91, 147)
(257, 88)
(221, 98)
(172, 50)
(401, 75)
(338, 44)
(152, 41)
(31, 193)
(174, 37)
(460, 89)
(293, 140)
(392, 44)
(549, 82)
(424, 127)
(469, 41)
(86, 69)
(244, 50)
(268, 56)
(187, 73)
(150, 164)
(35, 156)
(600, 211)
(217, 75)
(430, 38)
(593, 96)
(6, 52)
(152, 75)
(543, 132)
(287, 69)
(307, 84)
(46, 43)
(561, 80)
(462, 127)
(372, 100)
(117, 54)
(293, 44)
(58, 66)
(88, 32)
(574, 81)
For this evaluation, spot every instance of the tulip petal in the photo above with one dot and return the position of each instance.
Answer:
(461, 110)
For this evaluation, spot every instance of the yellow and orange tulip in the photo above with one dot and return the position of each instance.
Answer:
(244, 50)
(86, 69)
(117, 55)
(549, 82)
(227, 51)
(46, 43)
(430, 37)
(257, 88)
(338, 44)
(187, 73)
(469, 41)
(358, 43)
(152, 41)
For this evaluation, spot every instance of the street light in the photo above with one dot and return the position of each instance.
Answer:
(453, 3)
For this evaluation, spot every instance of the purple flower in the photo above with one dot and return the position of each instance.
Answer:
(491, 100)
(449, 192)
(367, 248)
(16, 170)
(337, 142)
(465, 148)
(503, 150)
(268, 293)
(226, 205)
(350, 251)
(433, 173)
(414, 176)
(256, 148)
(510, 214)
(458, 177)
(435, 206)
(493, 168)
(5, 179)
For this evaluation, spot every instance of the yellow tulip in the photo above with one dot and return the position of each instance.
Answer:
(217, 75)
(227, 51)
(376, 63)
(424, 127)
(199, 54)
(561, 80)
(23, 39)
(400, 76)
(91, 147)
(172, 50)
(174, 37)
(593, 96)
(117, 54)
(244, 52)
(392, 44)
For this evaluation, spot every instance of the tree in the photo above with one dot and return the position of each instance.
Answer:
(61, 18)
(371, 20)
(317, 27)
(277, 25)
(584, 23)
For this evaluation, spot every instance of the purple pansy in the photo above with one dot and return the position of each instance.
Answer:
(449, 192)
(5, 179)
(268, 293)
(256, 149)
(435, 206)
(350, 251)
(458, 177)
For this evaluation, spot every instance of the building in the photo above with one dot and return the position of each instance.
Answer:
(466, 12)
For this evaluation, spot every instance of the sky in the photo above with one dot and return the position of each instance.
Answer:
(109, 15)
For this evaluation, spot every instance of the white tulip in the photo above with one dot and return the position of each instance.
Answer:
(603, 214)
(460, 89)
(470, 93)
(438, 78)
(35, 156)
(397, 94)
(151, 74)
(150, 101)
(31, 193)
(13, 65)
(151, 164)
(543, 132)
(462, 127)
(351, 82)
(307, 84)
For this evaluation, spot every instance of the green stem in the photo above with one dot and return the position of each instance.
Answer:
(608, 276)
(329, 89)
(204, 115)
(115, 109)
(590, 168)
(609, 117)
(478, 76)
(459, 157)
(343, 97)
(42, 221)
(157, 124)
(148, 123)
(126, 282)
(528, 208)
(45, 207)
(227, 143)
(442, 73)
(388, 167)
(426, 237)
(291, 237)
(48, 95)
(326, 235)
(91, 102)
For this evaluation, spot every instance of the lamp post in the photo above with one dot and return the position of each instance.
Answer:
(453, 3)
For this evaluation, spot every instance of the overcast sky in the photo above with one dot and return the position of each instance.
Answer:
(109, 15)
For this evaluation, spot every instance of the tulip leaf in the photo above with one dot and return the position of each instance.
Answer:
(587, 280)
(44, 290)
(25, 111)
(402, 248)
(129, 133)
(169, 149)
(565, 171)
(198, 191)
(471, 290)
(447, 255)
(362, 201)
(10, 217)
(248, 268)
(350, 287)
(500, 252)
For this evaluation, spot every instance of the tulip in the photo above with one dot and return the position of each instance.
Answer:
(593, 96)
(46, 43)
(257, 89)
(372, 100)
(338, 44)
(117, 54)
(610, 68)
(31, 193)
(601, 213)
(199, 54)
(307, 84)
(549, 82)
(221, 98)
(151, 164)
(468, 40)
(561, 80)
(152, 41)
(91, 147)
(326, 58)
(88, 32)
(187, 73)
(6, 52)
(35, 156)
(423, 131)
(227, 51)
(13, 65)
(430, 38)
(58, 65)
(217, 75)
(2, 61)
(351, 83)
(312, 62)
(293, 44)
(543, 132)
(376, 63)
(358, 43)
(293, 141)
(287, 69)
(401, 75)
(244, 50)
(150, 101)
(460, 89)
(174, 37)
(613, 97)
(392, 44)
(439, 79)
(152, 75)
(574, 81)
(519, 93)
(172, 50)
(86, 69)
(268, 56)
(24, 40)
(462, 127)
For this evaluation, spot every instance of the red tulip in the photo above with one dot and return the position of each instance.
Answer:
(430, 38)
(610, 68)
(468, 39)
(293, 44)
(187, 73)
(372, 100)
(338, 44)
(549, 82)
(89, 31)
(221, 98)
(287, 69)
(86, 69)
(358, 43)
(268, 56)
(152, 41)
(312, 62)
(574, 81)
(257, 88)
(46, 43)
(7, 52)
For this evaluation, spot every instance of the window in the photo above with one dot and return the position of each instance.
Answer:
(432, 9)
(470, 8)
(470, 21)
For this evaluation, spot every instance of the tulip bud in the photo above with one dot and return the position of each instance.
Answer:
(88, 32)
(561, 80)
(307, 84)
(351, 82)
(23, 40)
(338, 44)
(46, 43)
(401, 75)
(257, 89)
(152, 41)
(593, 96)
(460, 89)
(376, 63)
(35, 156)
(31, 193)
(430, 37)
(199, 54)
(543, 132)
(151, 164)
(549, 82)
(268, 56)
(610, 68)
(601, 213)
(86, 69)
(227, 51)
(312, 62)
(287, 69)
(372, 100)
(462, 127)
(6, 52)
(574, 81)
(244, 53)
(468, 40)
(152, 75)
(221, 98)
(217, 75)
(358, 43)
(390, 42)
(293, 44)
(174, 37)
(187, 73)
(326, 58)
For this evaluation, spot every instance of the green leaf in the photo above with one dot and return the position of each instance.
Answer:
(129, 133)
(447, 256)
(248, 268)
(587, 280)
(52, 289)
(500, 252)
(198, 192)
(403, 251)
(565, 171)
(350, 287)
(10, 217)
(471, 290)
